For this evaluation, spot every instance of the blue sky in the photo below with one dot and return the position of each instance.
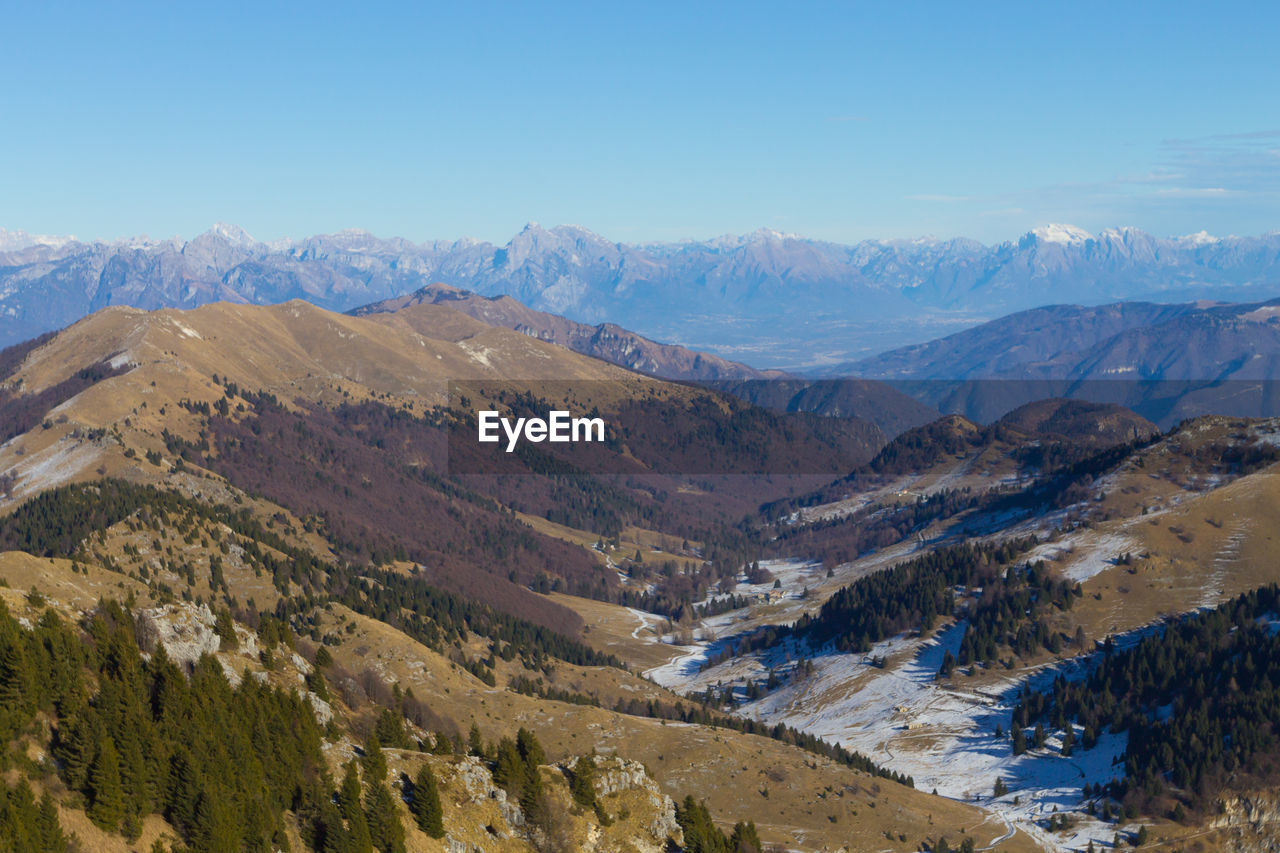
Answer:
(642, 121)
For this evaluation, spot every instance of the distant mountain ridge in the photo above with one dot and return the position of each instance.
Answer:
(606, 341)
(766, 298)
(877, 402)
(1166, 362)
(1129, 340)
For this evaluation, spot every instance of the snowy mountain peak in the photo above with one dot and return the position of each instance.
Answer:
(1064, 235)
(772, 234)
(12, 241)
(231, 233)
(1200, 238)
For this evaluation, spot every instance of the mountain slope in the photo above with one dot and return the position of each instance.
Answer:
(1168, 362)
(879, 403)
(242, 477)
(1129, 340)
(606, 341)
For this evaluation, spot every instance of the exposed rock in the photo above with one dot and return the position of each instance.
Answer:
(185, 630)
(614, 775)
(1251, 822)
(477, 781)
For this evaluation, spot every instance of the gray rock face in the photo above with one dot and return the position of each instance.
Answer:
(1251, 821)
(614, 775)
(478, 783)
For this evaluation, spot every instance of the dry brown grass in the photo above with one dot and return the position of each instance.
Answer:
(726, 768)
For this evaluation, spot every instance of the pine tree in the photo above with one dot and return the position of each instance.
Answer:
(385, 830)
(509, 771)
(215, 829)
(530, 750)
(374, 763)
(582, 786)
(105, 791)
(224, 626)
(353, 813)
(74, 749)
(426, 807)
(47, 826)
(17, 684)
(532, 798)
(745, 839)
(331, 834)
(1019, 741)
(701, 835)
(184, 790)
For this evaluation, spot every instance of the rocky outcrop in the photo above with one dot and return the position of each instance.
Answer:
(1249, 823)
(616, 775)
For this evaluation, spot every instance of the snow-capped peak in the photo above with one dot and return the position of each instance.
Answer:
(1200, 238)
(1065, 235)
(12, 241)
(233, 234)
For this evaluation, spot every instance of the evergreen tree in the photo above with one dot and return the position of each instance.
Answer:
(225, 628)
(509, 771)
(373, 763)
(745, 839)
(73, 747)
(530, 750)
(48, 830)
(106, 793)
(701, 835)
(215, 829)
(426, 807)
(385, 830)
(582, 786)
(17, 683)
(390, 729)
(353, 813)
(331, 834)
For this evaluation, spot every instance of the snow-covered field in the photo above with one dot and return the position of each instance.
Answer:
(941, 734)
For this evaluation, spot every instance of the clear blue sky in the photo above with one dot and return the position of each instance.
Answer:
(640, 120)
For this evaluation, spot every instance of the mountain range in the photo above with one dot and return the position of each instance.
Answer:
(768, 299)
